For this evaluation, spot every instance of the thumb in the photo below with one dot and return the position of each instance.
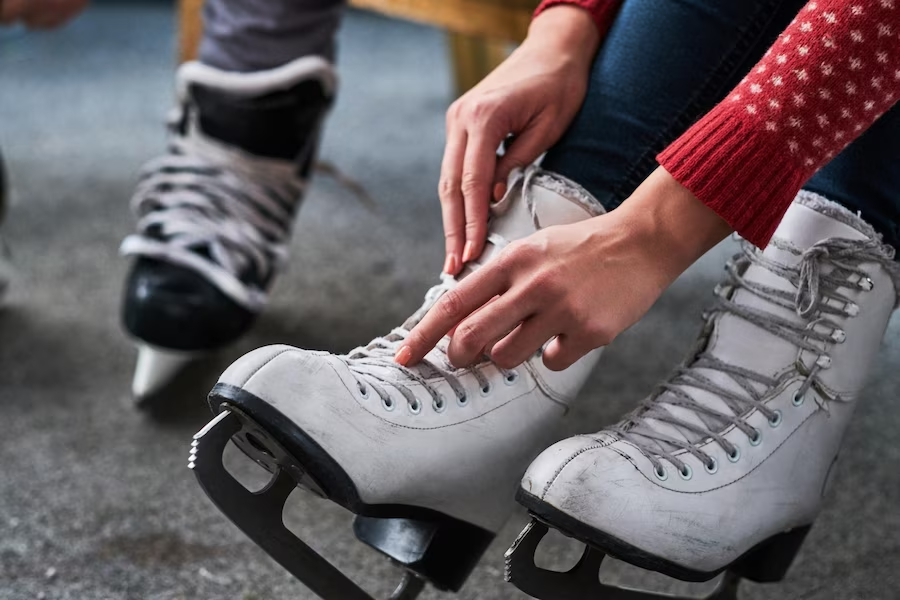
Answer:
(523, 151)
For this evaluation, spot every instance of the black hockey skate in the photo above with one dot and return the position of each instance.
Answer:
(215, 214)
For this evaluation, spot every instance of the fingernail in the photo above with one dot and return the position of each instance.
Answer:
(451, 265)
(403, 355)
(499, 190)
(468, 252)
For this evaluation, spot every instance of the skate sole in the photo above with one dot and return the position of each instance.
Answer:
(767, 562)
(436, 547)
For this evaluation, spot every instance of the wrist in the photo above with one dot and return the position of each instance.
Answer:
(675, 223)
(567, 31)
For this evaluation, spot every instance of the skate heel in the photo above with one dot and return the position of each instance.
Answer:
(770, 561)
(443, 551)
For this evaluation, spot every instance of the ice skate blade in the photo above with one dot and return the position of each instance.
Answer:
(259, 514)
(583, 580)
(155, 369)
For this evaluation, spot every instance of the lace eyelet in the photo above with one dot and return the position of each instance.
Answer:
(776, 419)
(486, 390)
(824, 361)
(851, 309)
(511, 378)
(866, 284)
(838, 335)
(462, 400)
(363, 390)
(388, 403)
(439, 404)
(686, 473)
(661, 473)
(712, 467)
(415, 407)
(756, 440)
(734, 455)
(798, 398)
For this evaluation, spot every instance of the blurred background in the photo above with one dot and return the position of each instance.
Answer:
(95, 497)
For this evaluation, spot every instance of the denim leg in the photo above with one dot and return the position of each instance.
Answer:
(255, 35)
(664, 64)
(865, 177)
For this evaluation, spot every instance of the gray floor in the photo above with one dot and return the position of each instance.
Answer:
(95, 499)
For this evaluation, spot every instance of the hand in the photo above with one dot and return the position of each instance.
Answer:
(40, 14)
(580, 285)
(533, 95)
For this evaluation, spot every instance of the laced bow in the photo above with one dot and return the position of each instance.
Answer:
(817, 302)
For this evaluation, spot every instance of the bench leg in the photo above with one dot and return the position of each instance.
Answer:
(473, 58)
(190, 28)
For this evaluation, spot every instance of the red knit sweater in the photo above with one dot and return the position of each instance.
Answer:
(827, 78)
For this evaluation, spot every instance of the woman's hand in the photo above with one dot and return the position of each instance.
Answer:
(533, 95)
(39, 14)
(580, 285)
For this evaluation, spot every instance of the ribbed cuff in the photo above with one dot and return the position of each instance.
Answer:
(602, 11)
(738, 171)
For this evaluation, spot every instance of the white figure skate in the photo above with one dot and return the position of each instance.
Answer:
(428, 457)
(724, 468)
(215, 213)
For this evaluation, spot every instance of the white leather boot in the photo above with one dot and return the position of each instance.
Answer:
(433, 451)
(725, 466)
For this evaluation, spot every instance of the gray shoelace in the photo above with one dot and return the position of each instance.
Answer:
(814, 287)
(379, 353)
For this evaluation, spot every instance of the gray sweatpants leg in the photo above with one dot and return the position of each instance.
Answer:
(254, 35)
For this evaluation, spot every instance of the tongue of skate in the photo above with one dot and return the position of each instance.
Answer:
(737, 341)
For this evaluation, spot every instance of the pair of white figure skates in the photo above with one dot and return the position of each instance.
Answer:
(722, 469)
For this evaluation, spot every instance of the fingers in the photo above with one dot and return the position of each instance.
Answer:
(477, 180)
(523, 151)
(452, 206)
(564, 351)
(451, 309)
(523, 342)
(11, 11)
(479, 331)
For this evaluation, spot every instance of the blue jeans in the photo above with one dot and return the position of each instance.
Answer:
(664, 64)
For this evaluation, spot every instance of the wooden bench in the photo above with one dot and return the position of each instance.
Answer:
(480, 32)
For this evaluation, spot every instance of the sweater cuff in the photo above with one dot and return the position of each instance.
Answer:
(728, 164)
(602, 11)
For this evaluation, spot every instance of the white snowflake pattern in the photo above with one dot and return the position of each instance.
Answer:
(838, 136)
(856, 35)
(793, 146)
(761, 69)
(855, 64)
(845, 113)
(803, 50)
(781, 59)
(869, 104)
(881, 57)
(829, 17)
(826, 69)
(774, 104)
(751, 108)
(876, 82)
(801, 74)
(850, 88)
(824, 94)
(822, 120)
(856, 10)
(795, 122)
(771, 126)
(755, 88)
(806, 27)
(798, 100)
(888, 4)
(777, 80)
(884, 30)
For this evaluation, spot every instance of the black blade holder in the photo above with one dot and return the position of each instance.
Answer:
(259, 516)
(582, 582)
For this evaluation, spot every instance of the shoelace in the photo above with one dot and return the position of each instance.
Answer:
(190, 203)
(379, 353)
(814, 288)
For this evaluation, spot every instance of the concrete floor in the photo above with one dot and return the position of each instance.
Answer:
(95, 499)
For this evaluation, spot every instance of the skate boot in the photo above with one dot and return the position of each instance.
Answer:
(724, 467)
(428, 457)
(215, 213)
